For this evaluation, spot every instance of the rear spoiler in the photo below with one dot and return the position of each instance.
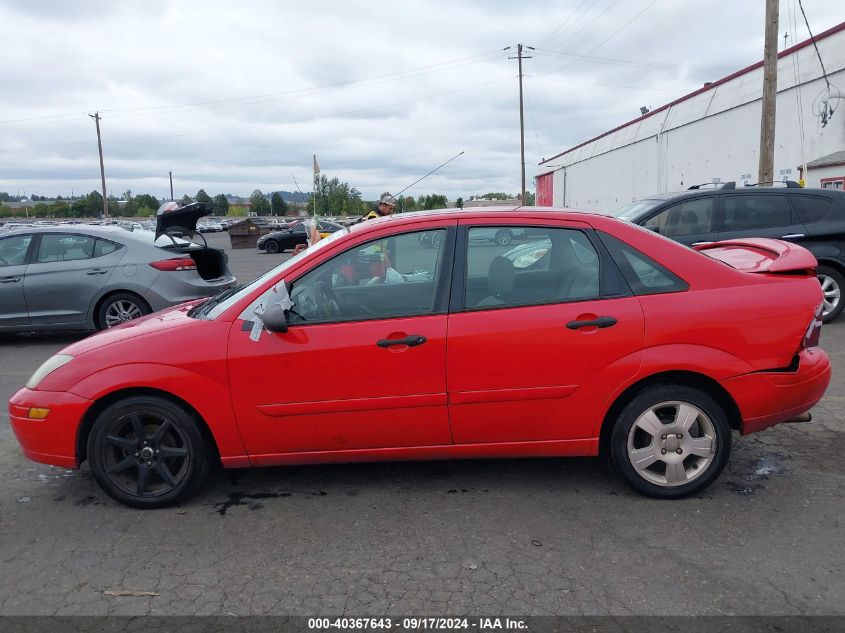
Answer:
(762, 255)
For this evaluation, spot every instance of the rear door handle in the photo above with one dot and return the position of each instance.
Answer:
(792, 236)
(411, 341)
(700, 243)
(601, 322)
(97, 271)
(9, 280)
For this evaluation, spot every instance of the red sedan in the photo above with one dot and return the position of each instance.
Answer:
(410, 338)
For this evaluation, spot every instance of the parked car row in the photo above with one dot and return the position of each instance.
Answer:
(812, 218)
(95, 277)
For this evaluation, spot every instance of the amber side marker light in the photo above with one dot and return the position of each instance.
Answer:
(37, 413)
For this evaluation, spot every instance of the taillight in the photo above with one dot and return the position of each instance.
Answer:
(814, 330)
(177, 263)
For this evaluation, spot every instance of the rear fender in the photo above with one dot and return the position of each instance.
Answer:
(708, 362)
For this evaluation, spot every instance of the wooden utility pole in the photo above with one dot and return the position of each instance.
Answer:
(171, 185)
(520, 57)
(96, 117)
(770, 84)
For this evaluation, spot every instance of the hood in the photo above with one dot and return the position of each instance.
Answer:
(173, 218)
(167, 319)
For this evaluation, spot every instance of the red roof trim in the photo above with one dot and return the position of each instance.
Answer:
(711, 86)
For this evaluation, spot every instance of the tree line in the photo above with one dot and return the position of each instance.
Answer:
(334, 198)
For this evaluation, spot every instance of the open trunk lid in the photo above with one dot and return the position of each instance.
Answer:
(762, 255)
(181, 221)
(179, 224)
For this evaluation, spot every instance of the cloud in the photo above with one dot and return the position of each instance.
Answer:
(235, 96)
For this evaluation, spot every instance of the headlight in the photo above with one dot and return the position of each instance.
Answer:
(49, 366)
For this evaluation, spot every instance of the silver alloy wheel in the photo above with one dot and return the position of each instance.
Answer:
(122, 311)
(832, 293)
(672, 444)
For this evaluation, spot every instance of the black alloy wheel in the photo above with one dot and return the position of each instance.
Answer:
(146, 452)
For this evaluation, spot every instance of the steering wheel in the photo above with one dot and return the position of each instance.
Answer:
(327, 301)
(316, 301)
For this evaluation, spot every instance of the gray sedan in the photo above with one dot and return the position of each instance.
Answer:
(86, 277)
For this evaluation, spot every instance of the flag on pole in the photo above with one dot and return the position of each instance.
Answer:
(316, 166)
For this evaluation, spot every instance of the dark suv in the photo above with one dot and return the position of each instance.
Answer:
(813, 218)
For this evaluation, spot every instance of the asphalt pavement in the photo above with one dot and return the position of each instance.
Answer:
(546, 536)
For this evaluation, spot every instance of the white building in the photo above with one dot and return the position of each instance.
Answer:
(711, 135)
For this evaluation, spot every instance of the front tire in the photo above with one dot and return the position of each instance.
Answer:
(120, 308)
(272, 247)
(147, 452)
(833, 284)
(671, 441)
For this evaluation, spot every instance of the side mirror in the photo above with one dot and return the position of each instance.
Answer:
(652, 227)
(275, 319)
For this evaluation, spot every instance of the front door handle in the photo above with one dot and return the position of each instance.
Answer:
(9, 280)
(792, 236)
(411, 341)
(700, 243)
(97, 271)
(601, 322)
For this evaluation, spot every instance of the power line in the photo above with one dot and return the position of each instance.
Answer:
(289, 122)
(551, 35)
(599, 85)
(606, 40)
(374, 80)
(629, 62)
(816, 46)
(605, 10)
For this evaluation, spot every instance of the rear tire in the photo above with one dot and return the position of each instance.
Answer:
(671, 441)
(833, 285)
(120, 308)
(272, 247)
(147, 452)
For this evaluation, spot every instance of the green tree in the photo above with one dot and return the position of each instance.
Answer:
(60, 209)
(94, 204)
(145, 212)
(147, 201)
(529, 199)
(278, 206)
(186, 199)
(237, 211)
(203, 197)
(434, 201)
(220, 204)
(260, 204)
(459, 203)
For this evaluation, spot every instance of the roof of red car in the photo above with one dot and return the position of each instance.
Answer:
(506, 213)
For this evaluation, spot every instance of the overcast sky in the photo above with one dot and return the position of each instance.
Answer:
(234, 96)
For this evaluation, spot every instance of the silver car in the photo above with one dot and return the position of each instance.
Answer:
(94, 277)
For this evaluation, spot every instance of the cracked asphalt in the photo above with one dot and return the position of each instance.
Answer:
(549, 536)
